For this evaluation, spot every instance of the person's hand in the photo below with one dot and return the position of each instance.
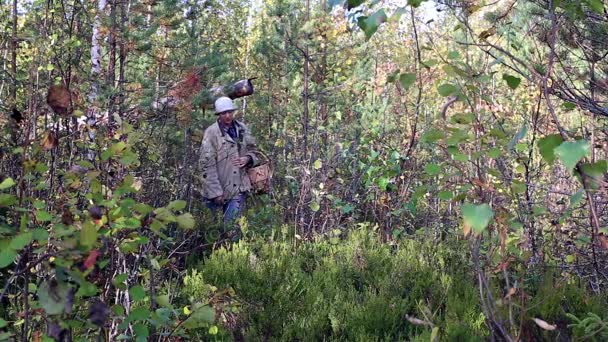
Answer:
(241, 162)
(219, 200)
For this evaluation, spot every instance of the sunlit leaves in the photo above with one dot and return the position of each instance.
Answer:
(7, 183)
(43, 216)
(88, 234)
(547, 145)
(317, 164)
(370, 24)
(177, 205)
(512, 81)
(201, 315)
(571, 152)
(596, 5)
(383, 183)
(476, 217)
(185, 221)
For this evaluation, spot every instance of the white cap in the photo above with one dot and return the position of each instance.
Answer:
(223, 104)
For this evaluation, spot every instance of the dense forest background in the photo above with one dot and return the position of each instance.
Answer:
(440, 170)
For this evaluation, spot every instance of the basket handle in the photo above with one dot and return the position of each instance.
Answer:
(268, 160)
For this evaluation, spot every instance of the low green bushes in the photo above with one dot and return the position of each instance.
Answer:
(356, 290)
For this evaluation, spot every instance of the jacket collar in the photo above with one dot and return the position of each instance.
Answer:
(223, 128)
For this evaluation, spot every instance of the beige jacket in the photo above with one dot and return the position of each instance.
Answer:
(219, 176)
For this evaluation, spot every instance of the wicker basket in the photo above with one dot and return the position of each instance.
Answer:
(260, 176)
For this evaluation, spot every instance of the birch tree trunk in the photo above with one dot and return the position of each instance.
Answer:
(93, 112)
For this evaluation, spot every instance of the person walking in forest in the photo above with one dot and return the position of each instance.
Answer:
(227, 151)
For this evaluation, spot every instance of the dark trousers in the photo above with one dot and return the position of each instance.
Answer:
(232, 209)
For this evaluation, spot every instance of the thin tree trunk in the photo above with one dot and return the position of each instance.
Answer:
(122, 58)
(305, 92)
(92, 114)
(111, 77)
(14, 57)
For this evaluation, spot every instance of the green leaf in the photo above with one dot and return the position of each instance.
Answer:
(43, 216)
(434, 334)
(370, 24)
(520, 135)
(314, 206)
(88, 234)
(7, 200)
(407, 79)
(547, 145)
(177, 205)
(383, 183)
(494, 152)
(119, 281)
(53, 296)
(141, 331)
(518, 187)
(139, 314)
(570, 258)
(119, 147)
(398, 13)
(446, 89)
(476, 217)
(185, 221)
(453, 54)
(445, 195)
(163, 300)
(40, 234)
(317, 164)
(213, 330)
(432, 169)
(137, 293)
(347, 208)
(596, 5)
(571, 152)
(568, 105)
(7, 256)
(87, 289)
(201, 315)
(3, 323)
(7, 183)
(512, 81)
(595, 172)
(432, 135)
(20, 241)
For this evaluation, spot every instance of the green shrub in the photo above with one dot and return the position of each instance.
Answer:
(357, 290)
